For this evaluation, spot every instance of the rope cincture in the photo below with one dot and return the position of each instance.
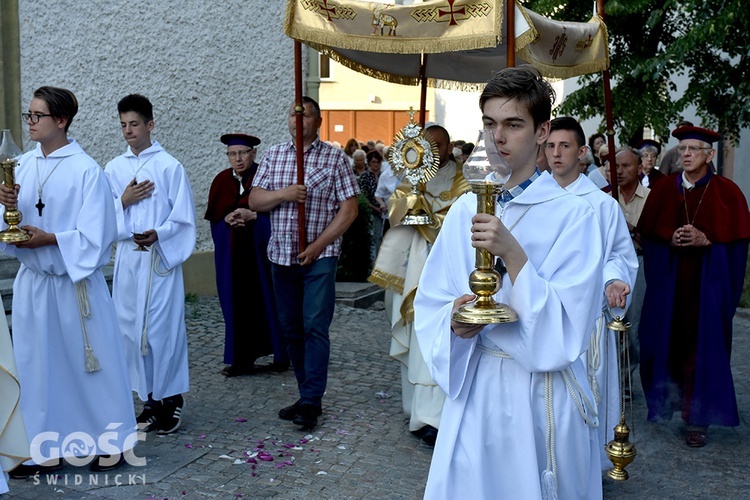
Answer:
(594, 360)
(585, 407)
(91, 363)
(153, 268)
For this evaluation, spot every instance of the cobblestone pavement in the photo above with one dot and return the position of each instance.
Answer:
(361, 447)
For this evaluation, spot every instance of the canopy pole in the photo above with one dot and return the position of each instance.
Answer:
(299, 109)
(510, 23)
(608, 114)
(423, 90)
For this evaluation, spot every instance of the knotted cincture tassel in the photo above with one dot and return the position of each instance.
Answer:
(91, 363)
(549, 490)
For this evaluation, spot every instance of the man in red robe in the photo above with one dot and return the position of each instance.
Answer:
(243, 271)
(695, 230)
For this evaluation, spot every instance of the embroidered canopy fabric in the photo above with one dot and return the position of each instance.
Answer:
(464, 38)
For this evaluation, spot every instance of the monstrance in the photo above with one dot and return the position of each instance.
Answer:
(415, 158)
(486, 171)
(9, 154)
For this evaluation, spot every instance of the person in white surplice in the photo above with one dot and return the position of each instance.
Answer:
(519, 419)
(565, 146)
(67, 344)
(155, 212)
(397, 269)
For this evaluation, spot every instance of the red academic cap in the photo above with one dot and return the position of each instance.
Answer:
(701, 134)
(240, 140)
(650, 142)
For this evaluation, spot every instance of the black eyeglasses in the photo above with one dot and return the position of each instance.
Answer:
(33, 117)
(242, 154)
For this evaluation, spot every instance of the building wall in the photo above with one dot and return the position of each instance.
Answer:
(348, 90)
(208, 67)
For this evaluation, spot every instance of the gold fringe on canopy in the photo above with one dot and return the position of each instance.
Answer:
(385, 41)
(444, 26)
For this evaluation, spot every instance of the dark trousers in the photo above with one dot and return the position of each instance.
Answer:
(305, 299)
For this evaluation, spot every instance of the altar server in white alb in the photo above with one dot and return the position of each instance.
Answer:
(519, 419)
(68, 350)
(155, 235)
(565, 146)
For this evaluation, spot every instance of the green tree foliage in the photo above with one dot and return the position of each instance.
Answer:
(653, 41)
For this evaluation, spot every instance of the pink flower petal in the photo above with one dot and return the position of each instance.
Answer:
(240, 419)
(188, 446)
(202, 436)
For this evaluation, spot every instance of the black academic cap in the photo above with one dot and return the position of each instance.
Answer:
(240, 140)
(699, 133)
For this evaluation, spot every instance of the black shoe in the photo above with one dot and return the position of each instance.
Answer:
(105, 463)
(235, 370)
(147, 419)
(289, 412)
(273, 367)
(27, 471)
(307, 416)
(429, 434)
(171, 417)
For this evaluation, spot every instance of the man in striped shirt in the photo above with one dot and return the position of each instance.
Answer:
(304, 278)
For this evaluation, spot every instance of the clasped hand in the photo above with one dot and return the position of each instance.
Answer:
(239, 217)
(689, 236)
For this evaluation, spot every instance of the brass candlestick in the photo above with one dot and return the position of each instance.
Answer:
(620, 450)
(487, 171)
(9, 152)
(484, 280)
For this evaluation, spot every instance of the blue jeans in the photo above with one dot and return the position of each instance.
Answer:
(305, 298)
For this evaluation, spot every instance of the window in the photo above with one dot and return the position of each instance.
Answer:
(324, 67)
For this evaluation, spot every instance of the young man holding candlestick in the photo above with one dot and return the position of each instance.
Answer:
(510, 426)
(67, 344)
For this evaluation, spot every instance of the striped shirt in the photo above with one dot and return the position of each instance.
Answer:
(329, 180)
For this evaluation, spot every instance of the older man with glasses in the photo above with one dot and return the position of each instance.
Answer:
(695, 230)
(243, 271)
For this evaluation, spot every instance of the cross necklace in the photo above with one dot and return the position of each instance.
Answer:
(40, 183)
